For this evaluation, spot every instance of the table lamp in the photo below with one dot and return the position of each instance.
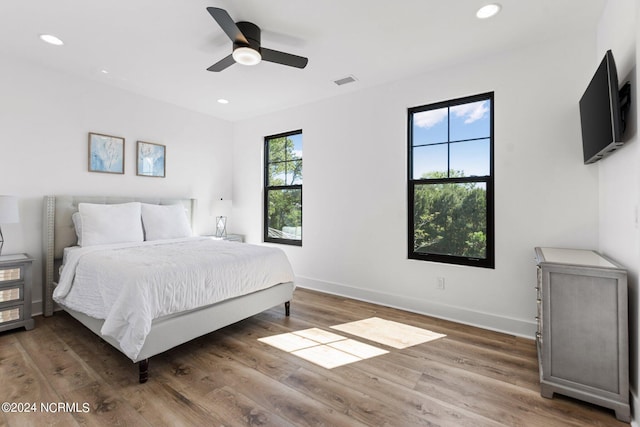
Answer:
(222, 207)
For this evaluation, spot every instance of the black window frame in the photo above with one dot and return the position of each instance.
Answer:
(268, 188)
(489, 180)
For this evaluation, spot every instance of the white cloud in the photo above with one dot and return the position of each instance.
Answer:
(427, 119)
(471, 112)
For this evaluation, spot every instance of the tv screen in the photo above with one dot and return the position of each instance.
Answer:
(600, 113)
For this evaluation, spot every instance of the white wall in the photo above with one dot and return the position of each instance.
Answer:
(619, 174)
(45, 118)
(355, 213)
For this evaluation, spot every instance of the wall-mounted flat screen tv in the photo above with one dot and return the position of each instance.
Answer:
(600, 114)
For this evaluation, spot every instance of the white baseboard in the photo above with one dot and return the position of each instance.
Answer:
(36, 308)
(518, 327)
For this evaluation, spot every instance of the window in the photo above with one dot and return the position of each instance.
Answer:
(451, 182)
(283, 188)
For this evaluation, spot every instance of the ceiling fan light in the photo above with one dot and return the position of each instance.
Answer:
(246, 56)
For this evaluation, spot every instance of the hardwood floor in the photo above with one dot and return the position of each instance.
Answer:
(471, 377)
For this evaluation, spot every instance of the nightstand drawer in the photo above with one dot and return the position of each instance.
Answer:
(11, 293)
(11, 314)
(11, 274)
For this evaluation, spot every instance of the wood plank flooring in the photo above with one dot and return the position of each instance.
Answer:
(471, 377)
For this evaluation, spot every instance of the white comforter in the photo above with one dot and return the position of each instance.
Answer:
(129, 285)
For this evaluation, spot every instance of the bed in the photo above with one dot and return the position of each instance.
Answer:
(172, 328)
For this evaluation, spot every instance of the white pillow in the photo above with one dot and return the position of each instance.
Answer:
(77, 225)
(104, 224)
(165, 222)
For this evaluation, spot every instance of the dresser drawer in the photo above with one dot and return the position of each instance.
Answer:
(12, 293)
(11, 314)
(11, 274)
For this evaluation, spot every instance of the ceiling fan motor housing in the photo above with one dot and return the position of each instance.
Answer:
(251, 32)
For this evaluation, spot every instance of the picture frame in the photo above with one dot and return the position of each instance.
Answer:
(151, 159)
(106, 153)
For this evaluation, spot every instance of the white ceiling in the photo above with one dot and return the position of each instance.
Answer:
(162, 48)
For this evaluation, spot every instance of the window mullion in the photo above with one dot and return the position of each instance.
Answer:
(449, 142)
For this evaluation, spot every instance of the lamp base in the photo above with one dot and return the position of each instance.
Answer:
(221, 226)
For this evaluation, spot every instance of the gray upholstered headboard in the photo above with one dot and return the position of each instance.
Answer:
(59, 233)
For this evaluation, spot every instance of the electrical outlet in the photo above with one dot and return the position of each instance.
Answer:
(440, 283)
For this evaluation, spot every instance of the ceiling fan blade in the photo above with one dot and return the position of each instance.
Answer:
(222, 64)
(283, 58)
(228, 26)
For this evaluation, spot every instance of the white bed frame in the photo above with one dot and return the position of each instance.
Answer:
(166, 332)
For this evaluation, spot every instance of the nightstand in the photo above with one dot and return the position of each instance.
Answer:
(234, 238)
(228, 237)
(15, 292)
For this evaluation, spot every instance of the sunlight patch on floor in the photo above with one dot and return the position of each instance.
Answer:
(388, 332)
(323, 348)
(325, 356)
(331, 350)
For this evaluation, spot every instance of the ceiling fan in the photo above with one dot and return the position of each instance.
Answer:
(246, 45)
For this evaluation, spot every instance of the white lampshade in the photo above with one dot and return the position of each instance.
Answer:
(222, 207)
(9, 210)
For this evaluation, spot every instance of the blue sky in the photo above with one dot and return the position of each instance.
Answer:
(297, 144)
(297, 154)
(466, 121)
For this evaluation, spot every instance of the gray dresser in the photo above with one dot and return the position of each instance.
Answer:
(582, 338)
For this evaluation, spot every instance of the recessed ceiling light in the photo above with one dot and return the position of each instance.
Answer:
(51, 39)
(104, 71)
(488, 11)
(223, 101)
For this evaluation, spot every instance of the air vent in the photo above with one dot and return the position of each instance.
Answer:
(345, 80)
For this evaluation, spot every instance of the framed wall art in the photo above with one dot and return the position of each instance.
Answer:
(151, 159)
(106, 153)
